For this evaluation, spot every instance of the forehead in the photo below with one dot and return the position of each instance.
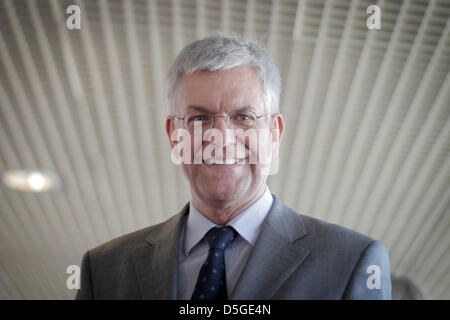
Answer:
(222, 90)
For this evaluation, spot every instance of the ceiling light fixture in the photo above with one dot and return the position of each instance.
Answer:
(30, 180)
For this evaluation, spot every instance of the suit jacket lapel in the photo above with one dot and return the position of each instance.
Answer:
(275, 256)
(155, 262)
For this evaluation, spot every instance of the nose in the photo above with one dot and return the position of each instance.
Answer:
(220, 123)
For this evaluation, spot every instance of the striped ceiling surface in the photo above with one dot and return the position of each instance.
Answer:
(367, 144)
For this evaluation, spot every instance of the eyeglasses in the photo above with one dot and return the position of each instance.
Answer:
(238, 119)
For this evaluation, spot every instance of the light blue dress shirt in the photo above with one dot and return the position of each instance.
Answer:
(194, 246)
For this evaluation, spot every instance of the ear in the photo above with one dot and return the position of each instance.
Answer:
(170, 127)
(276, 131)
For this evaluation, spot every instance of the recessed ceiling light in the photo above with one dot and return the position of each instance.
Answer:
(30, 180)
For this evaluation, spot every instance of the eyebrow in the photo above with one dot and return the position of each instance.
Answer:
(199, 108)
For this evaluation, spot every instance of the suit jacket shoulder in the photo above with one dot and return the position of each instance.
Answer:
(116, 269)
(123, 245)
(341, 263)
(332, 237)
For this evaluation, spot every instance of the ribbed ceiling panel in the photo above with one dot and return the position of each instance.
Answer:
(367, 112)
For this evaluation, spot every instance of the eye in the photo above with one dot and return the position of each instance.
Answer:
(242, 117)
(198, 118)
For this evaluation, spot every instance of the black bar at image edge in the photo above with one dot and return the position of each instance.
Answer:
(180, 310)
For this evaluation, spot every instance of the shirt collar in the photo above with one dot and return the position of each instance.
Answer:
(247, 223)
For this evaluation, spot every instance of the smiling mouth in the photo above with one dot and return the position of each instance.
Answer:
(213, 161)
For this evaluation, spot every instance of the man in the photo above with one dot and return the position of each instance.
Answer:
(234, 239)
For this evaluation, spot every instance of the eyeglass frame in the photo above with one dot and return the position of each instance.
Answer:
(227, 117)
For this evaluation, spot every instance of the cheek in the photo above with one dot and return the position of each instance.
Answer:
(257, 147)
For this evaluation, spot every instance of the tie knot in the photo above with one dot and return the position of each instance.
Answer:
(220, 237)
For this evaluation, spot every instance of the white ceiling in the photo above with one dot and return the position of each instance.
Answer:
(368, 124)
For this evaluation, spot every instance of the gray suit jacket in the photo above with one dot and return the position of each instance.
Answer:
(295, 257)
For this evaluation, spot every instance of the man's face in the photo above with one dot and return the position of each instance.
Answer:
(221, 93)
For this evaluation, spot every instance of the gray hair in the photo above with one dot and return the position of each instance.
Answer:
(223, 53)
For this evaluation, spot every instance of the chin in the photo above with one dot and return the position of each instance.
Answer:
(219, 193)
(219, 190)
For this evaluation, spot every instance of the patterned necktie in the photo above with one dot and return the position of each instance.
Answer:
(211, 282)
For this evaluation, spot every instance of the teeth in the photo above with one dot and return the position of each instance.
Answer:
(230, 161)
(219, 161)
(213, 161)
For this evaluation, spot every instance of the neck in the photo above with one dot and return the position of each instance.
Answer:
(222, 211)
